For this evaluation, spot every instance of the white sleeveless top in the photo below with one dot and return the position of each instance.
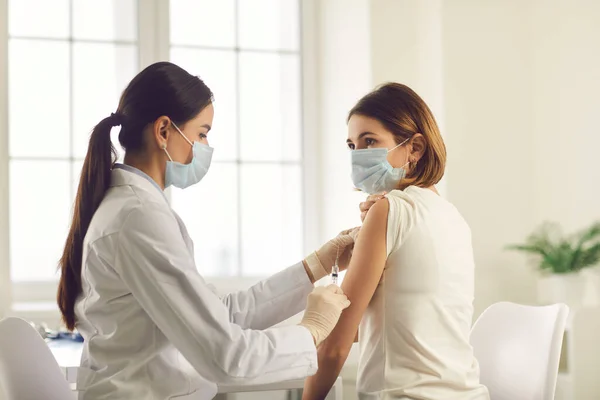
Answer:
(414, 336)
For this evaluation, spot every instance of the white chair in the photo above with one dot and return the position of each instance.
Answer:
(28, 370)
(518, 348)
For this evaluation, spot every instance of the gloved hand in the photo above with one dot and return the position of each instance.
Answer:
(366, 205)
(320, 262)
(323, 309)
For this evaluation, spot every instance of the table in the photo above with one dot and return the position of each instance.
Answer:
(68, 356)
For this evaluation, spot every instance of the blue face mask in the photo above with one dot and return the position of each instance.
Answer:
(372, 173)
(185, 175)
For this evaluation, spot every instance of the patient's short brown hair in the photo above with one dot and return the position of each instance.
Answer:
(404, 113)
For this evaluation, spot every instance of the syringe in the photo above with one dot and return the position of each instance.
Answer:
(335, 270)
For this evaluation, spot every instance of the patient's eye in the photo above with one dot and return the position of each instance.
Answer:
(351, 146)
(370, 142)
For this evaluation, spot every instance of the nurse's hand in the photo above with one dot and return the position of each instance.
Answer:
(320, 263)
(366, 205)
(323, 310)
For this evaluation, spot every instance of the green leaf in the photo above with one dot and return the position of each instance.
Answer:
(527, 248)
(581, 258)
(589, 257)
(562, 254)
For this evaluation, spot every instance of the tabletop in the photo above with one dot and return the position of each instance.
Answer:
(68, 356)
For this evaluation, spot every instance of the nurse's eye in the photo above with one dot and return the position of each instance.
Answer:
(351, 146)
(202, 136)
(370, 142)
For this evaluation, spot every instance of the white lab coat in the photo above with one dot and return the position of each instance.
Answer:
(154, 329)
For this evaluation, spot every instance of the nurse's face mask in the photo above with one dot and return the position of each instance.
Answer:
(185, 175)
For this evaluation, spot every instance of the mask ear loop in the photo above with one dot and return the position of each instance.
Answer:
(407, 161)
(181, 133)
(164, 147)
(394, 148)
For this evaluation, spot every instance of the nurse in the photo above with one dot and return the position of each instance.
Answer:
(153, 328)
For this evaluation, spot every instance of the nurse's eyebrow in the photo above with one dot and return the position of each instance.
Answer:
(207, 126)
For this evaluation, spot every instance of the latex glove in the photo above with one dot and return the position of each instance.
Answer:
(321, 262)
(366, 205)
(323, 309)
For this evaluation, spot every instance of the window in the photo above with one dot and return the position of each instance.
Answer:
(67, 63)
(246, 215)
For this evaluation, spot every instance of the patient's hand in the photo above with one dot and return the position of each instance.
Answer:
(366, 205)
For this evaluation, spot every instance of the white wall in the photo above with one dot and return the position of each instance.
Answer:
(404, 30)
(345, 75)
(489, 123)
(566, 110)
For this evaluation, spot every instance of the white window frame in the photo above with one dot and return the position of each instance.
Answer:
(35, 301)
(5, 283)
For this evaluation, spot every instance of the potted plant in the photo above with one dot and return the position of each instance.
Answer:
(561, 258)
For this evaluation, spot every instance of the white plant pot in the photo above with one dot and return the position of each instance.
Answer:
(592, 280)
(562, 288)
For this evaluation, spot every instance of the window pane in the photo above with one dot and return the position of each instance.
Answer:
(209, 210)
(38, 18)
(269, 24)
(105, 20)
(217, 69)
(203, 22)
(100, 73)
(39, 217)
(271, 218)
(270, 107)
(39, 98)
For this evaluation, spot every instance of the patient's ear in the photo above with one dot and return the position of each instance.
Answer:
(418, 145)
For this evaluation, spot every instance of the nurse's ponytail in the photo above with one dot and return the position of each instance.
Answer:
(161, 89)
(93, 184)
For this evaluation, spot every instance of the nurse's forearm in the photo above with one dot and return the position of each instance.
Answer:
(272, 300)
(330, 362)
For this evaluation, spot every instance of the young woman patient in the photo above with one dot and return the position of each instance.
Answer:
(411, 276)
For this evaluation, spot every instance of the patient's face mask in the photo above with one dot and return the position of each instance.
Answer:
(371, 171)
(185, 175)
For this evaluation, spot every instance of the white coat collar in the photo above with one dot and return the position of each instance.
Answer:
(125, 175)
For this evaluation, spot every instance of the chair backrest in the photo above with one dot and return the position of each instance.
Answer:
(518, 348)
(28, 370)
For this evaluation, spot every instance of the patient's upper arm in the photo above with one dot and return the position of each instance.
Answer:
(368, 259)
(362, 277)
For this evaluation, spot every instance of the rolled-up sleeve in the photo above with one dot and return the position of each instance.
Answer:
(272, 300)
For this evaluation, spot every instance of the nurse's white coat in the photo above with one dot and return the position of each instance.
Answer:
(154, 329)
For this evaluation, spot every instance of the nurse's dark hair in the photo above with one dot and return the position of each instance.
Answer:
(161, 89)
(404, 113)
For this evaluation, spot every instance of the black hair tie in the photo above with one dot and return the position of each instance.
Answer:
(116, 119)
